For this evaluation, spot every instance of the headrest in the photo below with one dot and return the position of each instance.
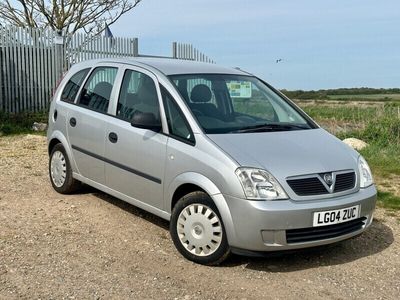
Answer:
(103, 89)
(147, 92)
(201, 93)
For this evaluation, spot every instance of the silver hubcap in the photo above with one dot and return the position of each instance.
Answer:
(58, 168)
(199, 229)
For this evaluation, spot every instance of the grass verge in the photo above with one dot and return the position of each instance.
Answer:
(11, 124)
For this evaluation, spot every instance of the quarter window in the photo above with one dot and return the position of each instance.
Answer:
(97, 90)
(73, 85)
(138, 95)
(177, 124)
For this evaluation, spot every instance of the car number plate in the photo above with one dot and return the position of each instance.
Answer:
(336, 216)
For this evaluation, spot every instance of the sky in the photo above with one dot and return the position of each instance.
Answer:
(322, 43)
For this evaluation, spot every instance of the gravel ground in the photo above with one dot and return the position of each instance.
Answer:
(93, 246)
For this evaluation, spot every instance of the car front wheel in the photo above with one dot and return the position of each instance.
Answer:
(197, 230)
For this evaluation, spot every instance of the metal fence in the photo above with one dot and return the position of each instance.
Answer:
(188, 52)
(28, 68)
(33, 60)
(80, 47)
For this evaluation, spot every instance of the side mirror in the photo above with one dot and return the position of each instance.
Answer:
(146, 120)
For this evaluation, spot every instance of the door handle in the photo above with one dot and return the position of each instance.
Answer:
(113, 137)
(72, 122)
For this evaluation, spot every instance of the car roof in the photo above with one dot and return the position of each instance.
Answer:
(171, 66)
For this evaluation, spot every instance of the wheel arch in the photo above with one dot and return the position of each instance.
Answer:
(189, 182)
(56, 138)
(52, 143)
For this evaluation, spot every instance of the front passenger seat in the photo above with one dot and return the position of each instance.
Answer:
(201, 97)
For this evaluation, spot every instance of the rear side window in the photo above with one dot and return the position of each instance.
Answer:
(97, 90)
(73, 85)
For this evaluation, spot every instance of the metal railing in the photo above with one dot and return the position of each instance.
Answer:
(188, 52)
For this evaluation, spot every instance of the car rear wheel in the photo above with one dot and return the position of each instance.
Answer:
(60, 171)
(197, 230)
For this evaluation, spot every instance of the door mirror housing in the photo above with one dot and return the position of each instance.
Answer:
(146, 120)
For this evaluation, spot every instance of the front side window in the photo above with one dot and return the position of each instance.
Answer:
(73, 85)
(177, 124)
(97, 90)
(138, 95)
(225, 103)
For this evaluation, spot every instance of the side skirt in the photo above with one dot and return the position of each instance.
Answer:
(158, 212)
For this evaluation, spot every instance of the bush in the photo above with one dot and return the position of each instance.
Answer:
(21, 122)
(383, 131)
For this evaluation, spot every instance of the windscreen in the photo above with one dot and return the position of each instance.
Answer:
(237, 104)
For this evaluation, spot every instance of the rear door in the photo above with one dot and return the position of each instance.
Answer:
(87, 122)
(135, 157)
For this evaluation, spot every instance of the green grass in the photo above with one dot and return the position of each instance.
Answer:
(388, 200)
(343, 113)
(383, 161)
(11, 124)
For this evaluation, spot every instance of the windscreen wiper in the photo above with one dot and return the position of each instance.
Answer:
(272, 127)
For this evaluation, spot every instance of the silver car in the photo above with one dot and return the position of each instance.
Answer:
(233, 164)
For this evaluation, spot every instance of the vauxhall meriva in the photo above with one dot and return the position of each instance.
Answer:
(233, 164)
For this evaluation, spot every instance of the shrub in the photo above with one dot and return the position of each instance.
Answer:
(21, 122)
(382, 131)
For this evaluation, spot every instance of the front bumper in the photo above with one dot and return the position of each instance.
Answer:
(262, 225)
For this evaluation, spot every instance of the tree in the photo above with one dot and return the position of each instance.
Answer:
(67, 16)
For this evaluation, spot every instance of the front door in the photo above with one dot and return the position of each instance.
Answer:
(135, 157)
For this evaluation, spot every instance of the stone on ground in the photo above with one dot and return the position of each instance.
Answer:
(355, 143)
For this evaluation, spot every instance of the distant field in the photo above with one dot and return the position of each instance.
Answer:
(372, 97)
(356, 94)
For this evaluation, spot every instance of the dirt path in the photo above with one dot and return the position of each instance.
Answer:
(92, 246)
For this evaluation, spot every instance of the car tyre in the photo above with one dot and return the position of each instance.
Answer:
(197, 230)
(60, 171)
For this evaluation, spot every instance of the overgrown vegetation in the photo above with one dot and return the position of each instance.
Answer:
(20, 123)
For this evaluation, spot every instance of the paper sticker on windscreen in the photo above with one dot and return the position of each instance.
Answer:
(239, 89)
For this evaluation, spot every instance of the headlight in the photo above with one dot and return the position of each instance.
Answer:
(259, 184)
(365, 173)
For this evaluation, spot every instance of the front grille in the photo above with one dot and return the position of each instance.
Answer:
(345, 181)
(323, 232)
(312, 186)
(307, 186)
